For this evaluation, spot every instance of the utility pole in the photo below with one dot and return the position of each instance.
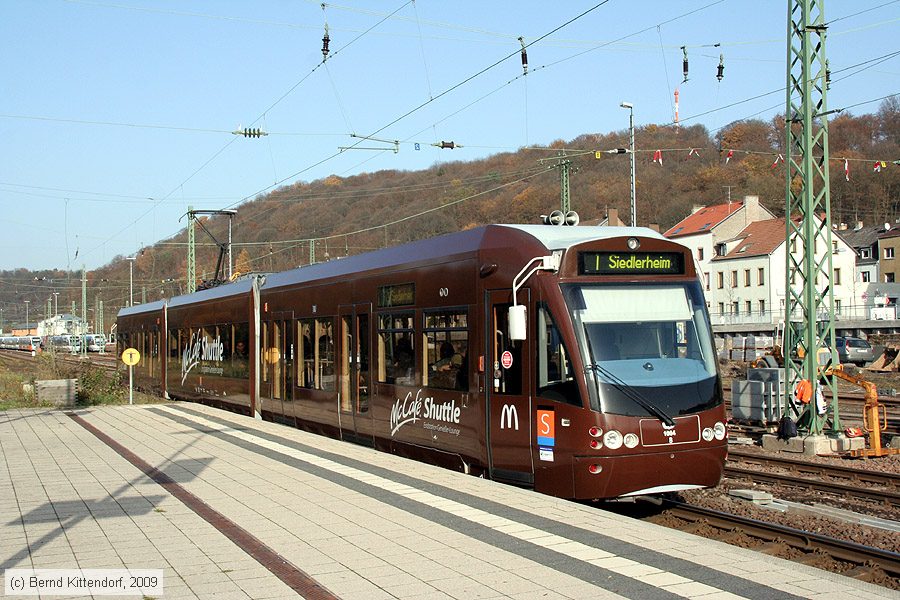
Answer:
(83, 311)
(564, 185)
(192, 256)
(809, 312)
(630, 108)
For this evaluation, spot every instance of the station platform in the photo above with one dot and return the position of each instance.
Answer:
(230, 507)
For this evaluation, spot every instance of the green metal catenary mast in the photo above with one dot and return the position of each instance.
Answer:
(809, 297)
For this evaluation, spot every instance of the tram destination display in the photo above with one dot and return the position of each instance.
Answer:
(630, 263)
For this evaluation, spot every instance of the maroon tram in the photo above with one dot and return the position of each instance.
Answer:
(575, 360)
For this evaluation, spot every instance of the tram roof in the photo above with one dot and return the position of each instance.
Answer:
(448, 246)
(138, 309)
(236, 288)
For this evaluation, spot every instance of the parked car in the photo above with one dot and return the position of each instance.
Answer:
(854, 350)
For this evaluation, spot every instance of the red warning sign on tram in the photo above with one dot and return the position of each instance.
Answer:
(506, 359)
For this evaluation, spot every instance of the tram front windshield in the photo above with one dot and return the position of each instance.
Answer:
(646, 345)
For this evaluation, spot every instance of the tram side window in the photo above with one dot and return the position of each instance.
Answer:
(306, 349)
(325, 379)
(264, 349)
(506, 380)
(556, 379)
(239, 349)
(173, 344)
(446, 341)
(396, 350)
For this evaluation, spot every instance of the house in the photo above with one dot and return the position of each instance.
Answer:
(707, 226)
(748, 275)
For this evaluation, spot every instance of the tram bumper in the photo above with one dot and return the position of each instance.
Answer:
(649, 473)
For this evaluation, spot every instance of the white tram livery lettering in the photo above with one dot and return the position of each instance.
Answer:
(201, 349)
(412, 408)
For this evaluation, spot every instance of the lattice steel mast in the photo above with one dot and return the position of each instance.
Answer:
(809, 297)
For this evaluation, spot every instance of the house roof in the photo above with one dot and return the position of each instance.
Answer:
(704, 219)
(861, 238)
(759, 238)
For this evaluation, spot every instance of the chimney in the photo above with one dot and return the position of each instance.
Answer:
(654, 227)
(842, 227)
(859, 225)
(697, 208)
(612, 217)
(751, 209)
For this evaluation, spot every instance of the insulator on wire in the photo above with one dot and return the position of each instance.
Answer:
(684, 63)
(827, 75)
(524, 57)
(720, 73)
(250, 132)
(325, 40)
(446, 145)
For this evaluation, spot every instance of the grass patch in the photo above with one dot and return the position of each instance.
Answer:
(96, 386)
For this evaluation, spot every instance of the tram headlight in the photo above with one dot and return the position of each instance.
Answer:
(633, 243)
(612, 439)
(631, 440)
(708, 434)
(720, 431)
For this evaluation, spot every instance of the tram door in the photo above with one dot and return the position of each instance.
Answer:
(507, 376)
(353, 400)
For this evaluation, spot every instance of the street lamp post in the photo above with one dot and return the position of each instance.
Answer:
(630, 108)
(27, 329)
(130, 260)
(55, 303)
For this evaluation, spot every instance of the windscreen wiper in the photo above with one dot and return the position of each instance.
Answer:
(631, 393)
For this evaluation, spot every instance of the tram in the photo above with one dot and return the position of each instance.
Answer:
(577, 361)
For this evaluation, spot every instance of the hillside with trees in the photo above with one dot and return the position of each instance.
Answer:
(337, 216)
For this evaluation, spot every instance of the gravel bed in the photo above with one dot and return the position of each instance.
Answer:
(719, 499)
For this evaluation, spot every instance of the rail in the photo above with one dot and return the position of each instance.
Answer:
(867, 560)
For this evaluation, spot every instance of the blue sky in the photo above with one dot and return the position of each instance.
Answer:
(116, 115)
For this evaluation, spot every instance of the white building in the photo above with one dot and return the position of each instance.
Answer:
(707, 226)
(748, 275)
(62, 325)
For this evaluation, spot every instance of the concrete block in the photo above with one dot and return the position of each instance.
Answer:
(753, 496)
(813, 444)
(58, 392)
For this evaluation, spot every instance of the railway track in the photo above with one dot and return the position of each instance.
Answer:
(848, 558)
(107, 362)
(887, 490)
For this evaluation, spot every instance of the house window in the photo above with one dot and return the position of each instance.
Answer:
(762, 307)
(748, 307)
(746, 277)
(760, 276)
(837, 277)
(706, 279)
(735, 308)
(865, 253)
(889, 278)
(720, 279)
(889, 253)
(834, 249)
(734, 279)
(793, 245)
(865, 277)
(699, 253)
(721, 308)
(837, 306)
